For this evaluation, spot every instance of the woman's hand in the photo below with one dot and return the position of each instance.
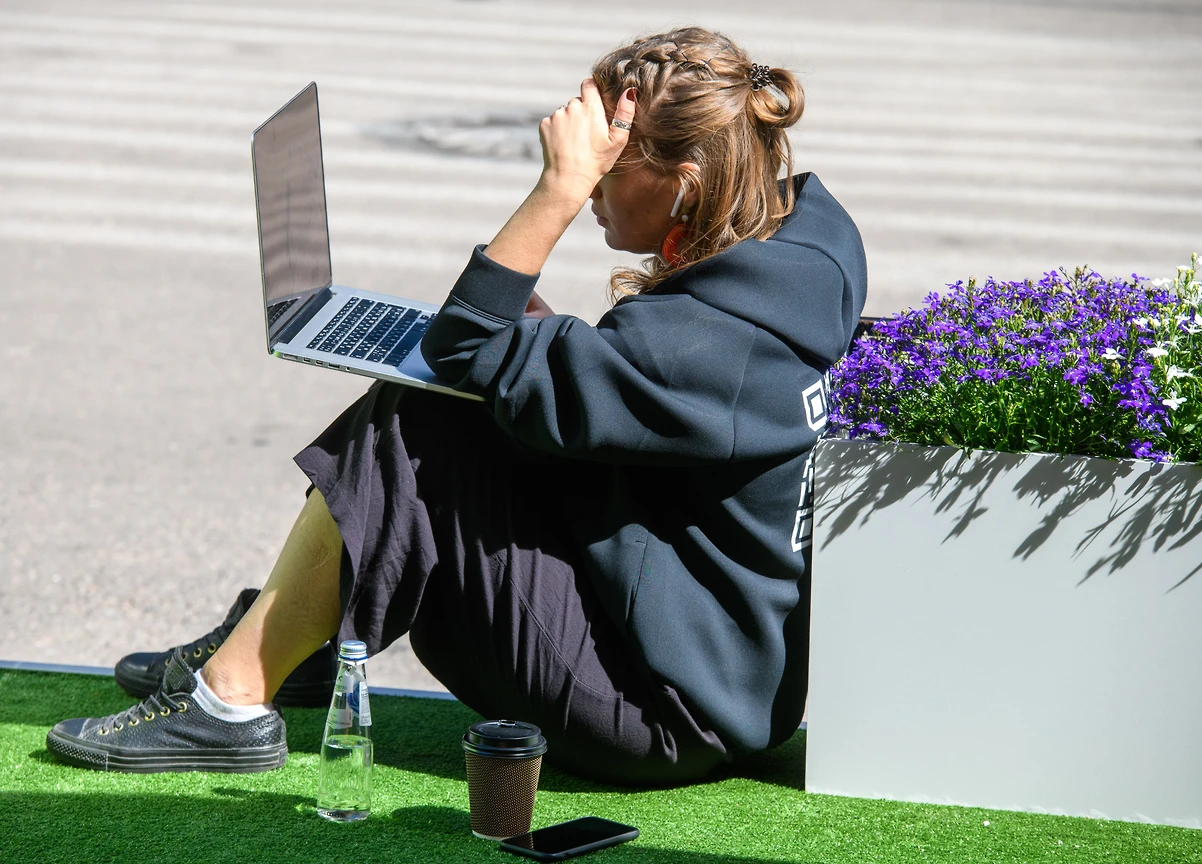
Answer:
(580, 144)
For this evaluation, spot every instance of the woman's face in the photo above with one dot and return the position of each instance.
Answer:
(634, 206)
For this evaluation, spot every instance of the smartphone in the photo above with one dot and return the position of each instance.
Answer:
(574, 837)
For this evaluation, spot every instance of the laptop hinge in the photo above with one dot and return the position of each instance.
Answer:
(303, 316)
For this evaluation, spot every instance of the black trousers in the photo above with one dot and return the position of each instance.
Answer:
(458, 536)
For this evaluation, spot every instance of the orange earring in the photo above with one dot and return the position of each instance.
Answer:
(672, 243)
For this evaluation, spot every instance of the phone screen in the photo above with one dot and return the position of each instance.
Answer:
(570, 838)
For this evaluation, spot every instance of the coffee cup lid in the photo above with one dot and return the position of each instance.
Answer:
(505, 739)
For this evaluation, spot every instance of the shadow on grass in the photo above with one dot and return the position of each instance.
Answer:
(423, 735)
(235, 825)
(419, 735)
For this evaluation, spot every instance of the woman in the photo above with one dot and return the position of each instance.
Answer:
(617, 549)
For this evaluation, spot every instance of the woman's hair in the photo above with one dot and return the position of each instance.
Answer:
(697, 102)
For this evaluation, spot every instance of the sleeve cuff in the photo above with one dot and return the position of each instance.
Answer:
(493, 288)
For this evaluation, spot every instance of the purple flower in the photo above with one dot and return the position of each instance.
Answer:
(1141, 449)
(873, 429)
(995, 364)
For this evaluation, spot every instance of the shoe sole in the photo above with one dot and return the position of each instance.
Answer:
(311, 695)
(292, 695)
(249, 760)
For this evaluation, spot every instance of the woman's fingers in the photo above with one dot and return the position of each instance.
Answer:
(590, 97)
(619, 127)
(579, 142)
(626, 106)
(617, 131)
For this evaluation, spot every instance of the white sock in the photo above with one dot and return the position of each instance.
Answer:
(211, 704)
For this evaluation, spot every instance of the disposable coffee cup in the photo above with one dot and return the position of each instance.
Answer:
(503, 761)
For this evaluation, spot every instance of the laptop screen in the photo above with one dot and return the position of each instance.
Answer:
(290, 199)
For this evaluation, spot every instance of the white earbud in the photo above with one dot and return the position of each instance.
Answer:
(679, 201)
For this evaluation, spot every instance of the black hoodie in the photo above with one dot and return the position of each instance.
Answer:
(686, 417)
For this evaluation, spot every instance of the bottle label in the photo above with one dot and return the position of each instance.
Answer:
(358, 702)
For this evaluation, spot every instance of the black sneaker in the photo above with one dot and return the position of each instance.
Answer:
(309, 686)
(170, 732)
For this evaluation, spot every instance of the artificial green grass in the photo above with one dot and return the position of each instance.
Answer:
(756, 812)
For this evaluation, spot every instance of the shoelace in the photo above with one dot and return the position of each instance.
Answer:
(210, 642)
(158, 705)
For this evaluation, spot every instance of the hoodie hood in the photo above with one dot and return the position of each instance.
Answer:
(816, 242)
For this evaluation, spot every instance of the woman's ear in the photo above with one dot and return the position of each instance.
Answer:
(689, 178)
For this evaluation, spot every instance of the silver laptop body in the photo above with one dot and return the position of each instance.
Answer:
(308, 318)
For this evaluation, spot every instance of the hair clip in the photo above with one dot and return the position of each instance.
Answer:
(761, 76)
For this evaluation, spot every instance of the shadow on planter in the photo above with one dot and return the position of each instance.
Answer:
(1014, 631)
(1129, 503)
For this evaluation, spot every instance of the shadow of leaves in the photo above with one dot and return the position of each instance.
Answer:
(1133, 504)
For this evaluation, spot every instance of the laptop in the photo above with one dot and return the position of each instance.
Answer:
(308, 318)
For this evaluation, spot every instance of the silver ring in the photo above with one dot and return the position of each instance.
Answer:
(621, 124)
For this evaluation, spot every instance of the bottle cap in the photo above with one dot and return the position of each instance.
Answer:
(505, 739)
(352, 649)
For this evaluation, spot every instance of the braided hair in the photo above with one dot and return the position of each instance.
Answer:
(702, 100)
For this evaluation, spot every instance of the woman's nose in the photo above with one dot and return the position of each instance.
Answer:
(596, 193)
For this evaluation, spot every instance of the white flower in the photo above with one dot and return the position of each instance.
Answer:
(1174, 402)
(1177, 372)
(1141, 323)
(1161, 283)
(1110, 354)
(1156, 352)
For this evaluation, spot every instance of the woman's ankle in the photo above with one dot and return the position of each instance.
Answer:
(234, 689)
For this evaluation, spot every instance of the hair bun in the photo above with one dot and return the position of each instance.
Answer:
(766, 103)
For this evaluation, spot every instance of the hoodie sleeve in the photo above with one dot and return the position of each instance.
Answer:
(641, 386)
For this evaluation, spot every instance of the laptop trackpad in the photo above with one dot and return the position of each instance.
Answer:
(415, 367)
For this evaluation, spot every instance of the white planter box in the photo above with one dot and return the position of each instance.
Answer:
(1009, 631)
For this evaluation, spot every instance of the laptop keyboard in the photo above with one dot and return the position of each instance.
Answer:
(276, 310)
(373, 331)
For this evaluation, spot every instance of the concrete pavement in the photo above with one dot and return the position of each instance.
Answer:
(145, 436)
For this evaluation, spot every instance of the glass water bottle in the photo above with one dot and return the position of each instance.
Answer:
(344, 785)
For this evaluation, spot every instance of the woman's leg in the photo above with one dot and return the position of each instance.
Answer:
(183, 727)
(295, 614)
(458, 536)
